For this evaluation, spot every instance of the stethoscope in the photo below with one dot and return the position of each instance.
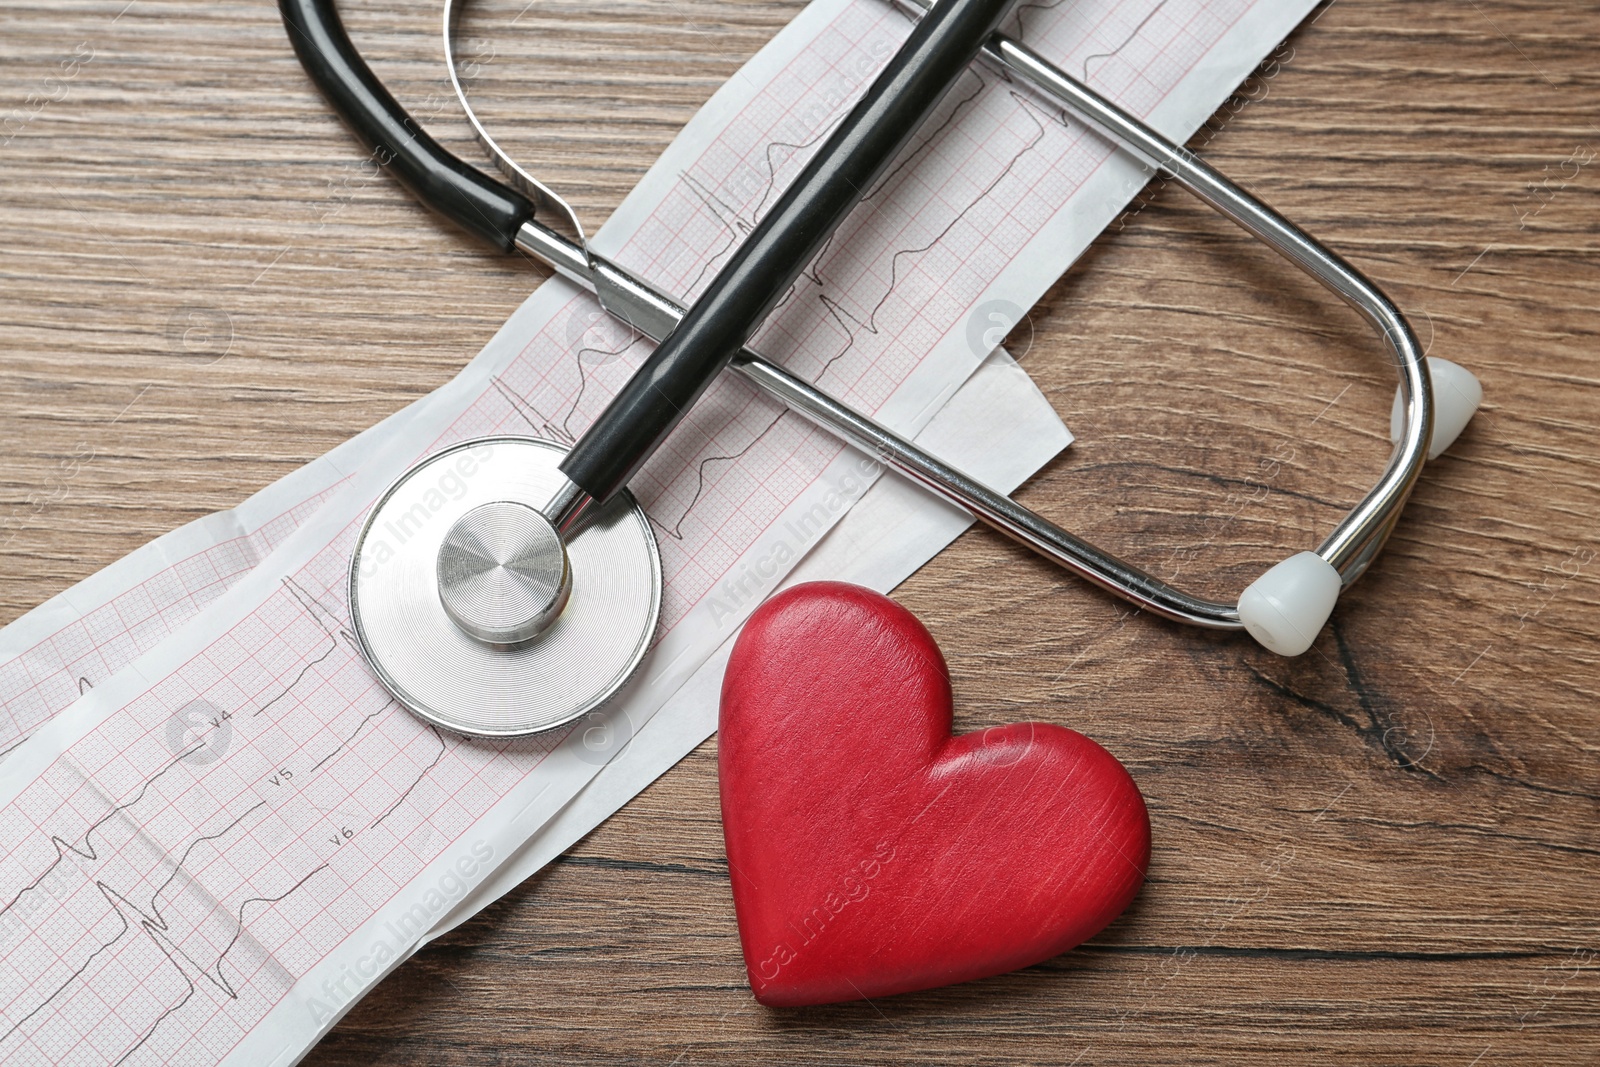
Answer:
(533, 598)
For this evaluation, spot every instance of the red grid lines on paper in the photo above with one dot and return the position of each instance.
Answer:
(39, 681)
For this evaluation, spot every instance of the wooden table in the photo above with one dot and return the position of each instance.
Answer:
(1382, 852)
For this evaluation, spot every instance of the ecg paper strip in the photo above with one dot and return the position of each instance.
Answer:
(180, 899)
(71, 643)
(81, 637)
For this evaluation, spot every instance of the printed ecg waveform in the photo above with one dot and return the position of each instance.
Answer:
(40, 680)
(219, 875)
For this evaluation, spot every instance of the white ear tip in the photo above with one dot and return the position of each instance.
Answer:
(1286, 607)
(1456, 396)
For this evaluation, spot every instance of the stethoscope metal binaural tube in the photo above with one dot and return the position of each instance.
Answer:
(509, 218)
(654, 315)
(1349, 549)
(1356, 540)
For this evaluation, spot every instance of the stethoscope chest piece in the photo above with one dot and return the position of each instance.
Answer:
(473, 613)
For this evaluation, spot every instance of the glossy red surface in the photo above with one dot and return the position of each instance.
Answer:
(873, 853)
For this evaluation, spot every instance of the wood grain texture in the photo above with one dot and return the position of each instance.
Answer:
(1383, 852)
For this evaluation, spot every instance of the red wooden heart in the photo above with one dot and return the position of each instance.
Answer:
(871, 852)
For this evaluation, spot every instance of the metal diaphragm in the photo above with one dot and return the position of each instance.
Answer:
(430, 661)
(503, 573)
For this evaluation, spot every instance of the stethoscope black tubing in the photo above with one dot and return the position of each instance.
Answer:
(788, 237)
(760, 271)
(465, 195)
